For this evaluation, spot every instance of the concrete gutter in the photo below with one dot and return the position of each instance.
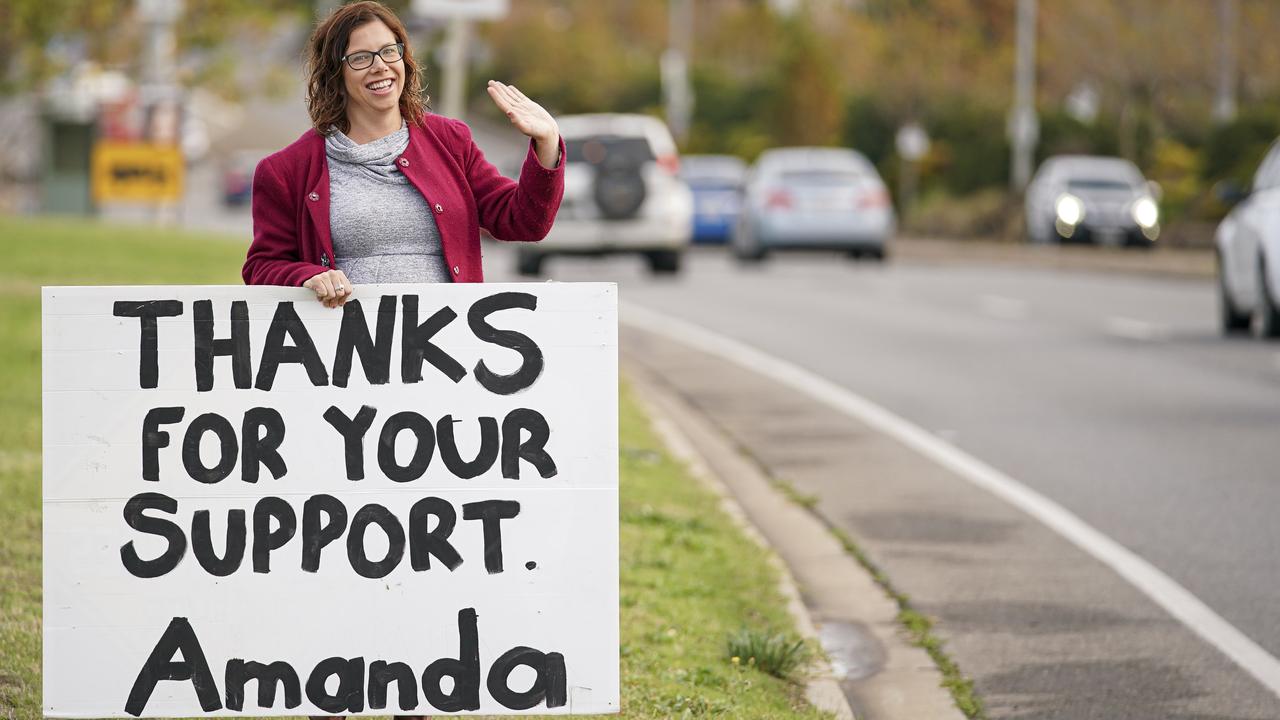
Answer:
(875, 673)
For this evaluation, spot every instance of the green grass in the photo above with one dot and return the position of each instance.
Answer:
(778, 654)
(689, 578)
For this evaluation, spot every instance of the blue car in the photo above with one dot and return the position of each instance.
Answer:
(716, 182)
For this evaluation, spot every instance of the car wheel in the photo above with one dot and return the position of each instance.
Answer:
(749, 255)
(1269, 323)
(529, 264)
(1233, 321)
(664, 262)
(879, 254)
(745, 247)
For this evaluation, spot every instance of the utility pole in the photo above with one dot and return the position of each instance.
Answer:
(1024, 125)
(159, 93)
(676, 89)
(453, 103)
(1224, 103)
(459, 14)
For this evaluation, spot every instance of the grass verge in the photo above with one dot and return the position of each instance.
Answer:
(689, 578)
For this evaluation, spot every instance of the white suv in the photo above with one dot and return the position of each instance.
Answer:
(1248, 245)
(622, 194)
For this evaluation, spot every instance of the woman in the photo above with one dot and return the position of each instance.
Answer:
(380, 190)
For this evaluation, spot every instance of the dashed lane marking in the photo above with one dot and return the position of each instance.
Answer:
(1131, 329)
(1003, 308)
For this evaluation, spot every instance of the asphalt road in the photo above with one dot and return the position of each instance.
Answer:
(1113, 395)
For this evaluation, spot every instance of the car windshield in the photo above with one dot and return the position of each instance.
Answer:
(611, 148)
(1099, 185)
(712, 172)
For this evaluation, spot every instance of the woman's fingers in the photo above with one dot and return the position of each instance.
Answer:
(499, 97)
(320, 284)
(507, 101)
(517, 100)
(342, 288)
(331, 288)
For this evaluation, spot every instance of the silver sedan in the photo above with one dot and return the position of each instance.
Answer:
(814, 198)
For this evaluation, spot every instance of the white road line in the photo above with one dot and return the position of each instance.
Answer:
(1131, 329)
(1163, 590)
(1003, 308)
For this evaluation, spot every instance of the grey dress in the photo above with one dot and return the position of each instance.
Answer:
(382, 228)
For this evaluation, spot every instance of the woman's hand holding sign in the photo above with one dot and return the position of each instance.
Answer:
(331, 288)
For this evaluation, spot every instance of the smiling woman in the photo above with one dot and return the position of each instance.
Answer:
(381, 190)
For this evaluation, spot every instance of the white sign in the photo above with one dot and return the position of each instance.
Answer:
(466, 9)
(255, 505)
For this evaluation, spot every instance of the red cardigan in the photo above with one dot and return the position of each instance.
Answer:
(291, 240)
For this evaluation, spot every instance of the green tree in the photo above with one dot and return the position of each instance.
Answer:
(808, 102)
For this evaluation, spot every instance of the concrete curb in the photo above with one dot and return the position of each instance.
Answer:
(886, 677)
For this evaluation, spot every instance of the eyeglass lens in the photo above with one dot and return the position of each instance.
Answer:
(364, 59)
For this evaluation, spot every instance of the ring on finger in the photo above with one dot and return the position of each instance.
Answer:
(339, 288)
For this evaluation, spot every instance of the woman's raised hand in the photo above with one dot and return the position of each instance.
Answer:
(331, 288)
(529, 118)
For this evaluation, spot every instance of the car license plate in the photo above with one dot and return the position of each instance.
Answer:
(1110, 236)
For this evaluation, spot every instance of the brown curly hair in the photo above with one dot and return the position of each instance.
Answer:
(326, 94)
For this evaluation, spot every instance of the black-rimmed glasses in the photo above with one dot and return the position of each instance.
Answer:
(363, 59)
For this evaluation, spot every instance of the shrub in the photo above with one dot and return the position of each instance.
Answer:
(1234, 149)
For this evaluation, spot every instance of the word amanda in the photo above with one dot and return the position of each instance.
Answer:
(358, 682)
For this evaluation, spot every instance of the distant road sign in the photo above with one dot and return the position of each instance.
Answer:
(912, 142)
(136, 172)
(467, 9)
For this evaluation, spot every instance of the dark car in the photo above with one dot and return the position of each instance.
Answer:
(1090, 199)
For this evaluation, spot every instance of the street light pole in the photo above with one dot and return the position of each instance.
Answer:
(1024, 126)
(676, 89)
(1224, 104)
(453, 104)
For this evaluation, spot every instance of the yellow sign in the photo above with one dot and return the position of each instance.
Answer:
(138, 172)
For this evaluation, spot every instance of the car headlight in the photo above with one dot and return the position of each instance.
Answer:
(1146, 213)
(1070, 210)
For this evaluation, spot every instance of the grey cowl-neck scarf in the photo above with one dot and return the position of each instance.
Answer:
(376, 159)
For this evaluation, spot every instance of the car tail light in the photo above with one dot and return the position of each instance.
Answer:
(878, 198)
(778, 199)
(670, 163)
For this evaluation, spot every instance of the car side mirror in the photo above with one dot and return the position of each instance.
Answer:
(1155, 191)
(1230, 192)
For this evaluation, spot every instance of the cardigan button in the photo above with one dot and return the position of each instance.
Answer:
(456, 270)
(404, 162)
(439, 209)
(314, 196)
